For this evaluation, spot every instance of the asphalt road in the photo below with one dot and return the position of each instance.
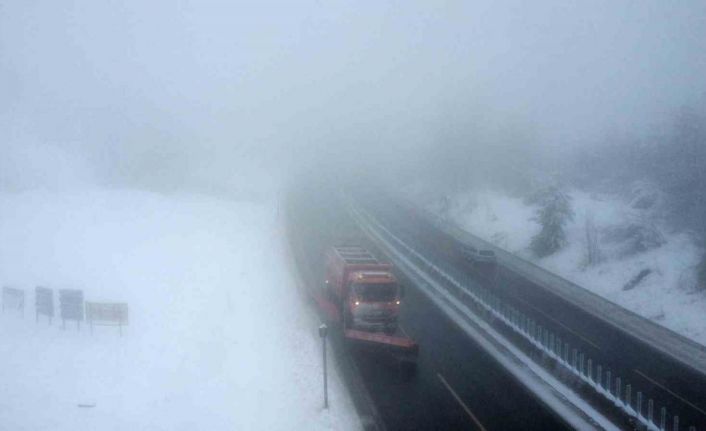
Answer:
(456, 385)
(678, 388)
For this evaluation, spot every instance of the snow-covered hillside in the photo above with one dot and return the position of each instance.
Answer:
(631, 239)
(218, 339)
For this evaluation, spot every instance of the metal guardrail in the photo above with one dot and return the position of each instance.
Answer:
(365, 407)
(676, 346)
(613, 388)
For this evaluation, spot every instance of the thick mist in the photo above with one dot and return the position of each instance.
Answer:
(236, 97)
(145, 147)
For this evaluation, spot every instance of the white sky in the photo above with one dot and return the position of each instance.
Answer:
(171, 92)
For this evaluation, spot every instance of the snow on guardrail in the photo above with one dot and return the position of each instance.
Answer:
(571, 359)
(670, 343)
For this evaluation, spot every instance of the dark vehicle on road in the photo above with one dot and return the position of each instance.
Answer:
(474, 255)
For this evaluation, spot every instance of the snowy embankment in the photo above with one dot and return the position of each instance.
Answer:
(631, 240)
(218, 338)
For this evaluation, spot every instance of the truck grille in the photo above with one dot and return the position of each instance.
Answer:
(377, 317)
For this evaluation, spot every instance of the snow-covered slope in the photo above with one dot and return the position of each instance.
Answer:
(219, 338)
(667, 295)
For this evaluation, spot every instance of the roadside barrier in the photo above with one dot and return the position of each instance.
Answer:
(13, 299)
(71, 306)
(106, 314)
(571, 359)
(43, 303)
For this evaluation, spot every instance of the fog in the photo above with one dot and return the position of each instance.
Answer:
(237, 97)
(145, 146)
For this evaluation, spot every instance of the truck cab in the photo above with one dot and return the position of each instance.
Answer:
(373, 301)
(365, 289)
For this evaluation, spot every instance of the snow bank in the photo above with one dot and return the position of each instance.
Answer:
(218, 338)
(665, 296)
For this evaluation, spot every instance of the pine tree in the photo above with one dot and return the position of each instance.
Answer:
(593, 251)
(554, 212)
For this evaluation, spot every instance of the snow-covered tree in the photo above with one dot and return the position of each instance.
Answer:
(553, 213)
(634, 237)
(594, 256)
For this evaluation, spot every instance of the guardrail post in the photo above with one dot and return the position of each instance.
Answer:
(581, 364)
(566, 353)
(323, 332)
(547, 338)
(662, 418)
(618, 391)
(607, 381)
(639, 404)
(557, 347)
(599, 371)
(590, 370)
(574, 359)
(628, 395)
(650, 410)
(543, 338)
(675, 424)
(551, 343)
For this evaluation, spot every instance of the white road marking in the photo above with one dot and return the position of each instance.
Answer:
(558, 323)
(464, 406)
(646, 377)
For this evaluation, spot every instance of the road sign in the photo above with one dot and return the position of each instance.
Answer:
(71, 305)
(107, 314)
(13, 299)
(44, 302)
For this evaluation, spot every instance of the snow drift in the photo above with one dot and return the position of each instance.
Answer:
(218, 336)
(645, 266)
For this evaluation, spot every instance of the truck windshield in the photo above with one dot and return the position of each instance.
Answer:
(376, 292)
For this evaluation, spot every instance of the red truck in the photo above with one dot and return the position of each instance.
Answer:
(365, 289)
(367, 299)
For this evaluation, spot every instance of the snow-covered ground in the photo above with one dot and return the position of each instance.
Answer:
(667, 295)
(218, 339)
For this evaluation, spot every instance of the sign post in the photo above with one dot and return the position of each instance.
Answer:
(44, 302)
(13, 299)
(323, 332)
(107, 314)
(71, 306)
